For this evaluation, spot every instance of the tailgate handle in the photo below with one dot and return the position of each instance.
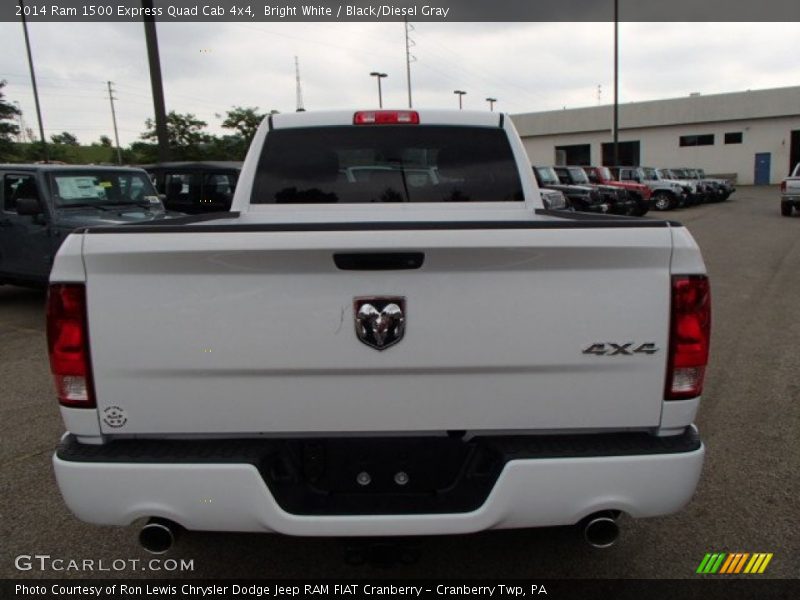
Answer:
(382, 261)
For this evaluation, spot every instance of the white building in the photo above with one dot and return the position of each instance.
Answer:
(753, 136)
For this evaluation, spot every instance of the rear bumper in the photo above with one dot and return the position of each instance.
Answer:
(541, 482)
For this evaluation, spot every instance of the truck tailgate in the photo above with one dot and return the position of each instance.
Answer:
(792, 186)
(250, 332)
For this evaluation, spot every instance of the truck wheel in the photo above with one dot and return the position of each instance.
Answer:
(786, 209)
(662, 201)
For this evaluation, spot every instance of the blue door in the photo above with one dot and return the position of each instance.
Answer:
(762, 168)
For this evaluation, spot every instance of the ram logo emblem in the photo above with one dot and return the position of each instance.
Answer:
(380, 320)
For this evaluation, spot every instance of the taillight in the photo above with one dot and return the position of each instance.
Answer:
(690, 332)
(386, 117)
(783, 187)
(68, 345)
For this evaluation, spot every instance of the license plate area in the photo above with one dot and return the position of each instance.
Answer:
(381, 475)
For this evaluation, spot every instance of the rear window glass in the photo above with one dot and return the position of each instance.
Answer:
(386, 163)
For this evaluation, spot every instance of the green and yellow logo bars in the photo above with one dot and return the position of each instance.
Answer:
(735, 562)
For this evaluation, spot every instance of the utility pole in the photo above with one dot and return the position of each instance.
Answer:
(491, 102)
(155, 80)
(33, 83)
(379, 76)
(20, 123)
(114, 118)
(616, 83)
(460, 94)
(409, 59)
(298, 88)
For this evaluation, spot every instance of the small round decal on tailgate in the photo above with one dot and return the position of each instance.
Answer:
(114, 416)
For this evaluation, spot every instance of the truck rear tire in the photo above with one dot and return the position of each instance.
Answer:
(786, 209)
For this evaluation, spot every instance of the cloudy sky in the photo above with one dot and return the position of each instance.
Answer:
(528, 67)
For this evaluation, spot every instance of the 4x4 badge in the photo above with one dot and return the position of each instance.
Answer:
(611, 349)
(380, 320)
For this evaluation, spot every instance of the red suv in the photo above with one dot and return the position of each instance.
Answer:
(640, 192)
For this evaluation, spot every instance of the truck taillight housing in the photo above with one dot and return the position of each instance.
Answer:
(783, 187)
(68, 345)
(690, 332)
(386, 117)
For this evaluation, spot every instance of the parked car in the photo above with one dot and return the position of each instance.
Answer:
(388, 361)
(618, 199)
(790, 192)
(667, 194)
(43, 203)
(713, 189)
(583, 198)
(726, 186)
(638, 192)
(196, 187)
(697, 191)
(710, 190)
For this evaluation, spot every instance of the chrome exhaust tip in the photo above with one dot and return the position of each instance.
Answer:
(158, 535)
(601, 530)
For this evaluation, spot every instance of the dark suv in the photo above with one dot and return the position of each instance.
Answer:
(619, 200)
(41, 204)
(582, 198)
(196, 187)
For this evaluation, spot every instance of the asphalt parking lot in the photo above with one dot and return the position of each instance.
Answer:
(748, 499)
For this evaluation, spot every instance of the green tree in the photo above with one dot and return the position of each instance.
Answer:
(35, 152)
(186, 137)
(244, 120)
(105, 141)
(140, 153)
(8, 129)
(65, 138)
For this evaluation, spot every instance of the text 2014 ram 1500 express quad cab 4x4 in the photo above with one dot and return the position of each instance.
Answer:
(389, 336)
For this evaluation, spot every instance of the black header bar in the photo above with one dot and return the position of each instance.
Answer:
(216, 11)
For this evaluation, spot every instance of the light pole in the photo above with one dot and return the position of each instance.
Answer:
(379, 76)
(460, 94)
(491, 102)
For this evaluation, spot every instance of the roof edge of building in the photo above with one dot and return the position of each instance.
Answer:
(730, 106)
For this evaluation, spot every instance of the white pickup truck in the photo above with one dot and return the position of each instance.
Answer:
(389, 336)
(790, 192)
